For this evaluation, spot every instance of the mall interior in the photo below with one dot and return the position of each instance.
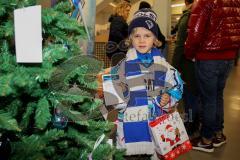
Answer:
(168, 14)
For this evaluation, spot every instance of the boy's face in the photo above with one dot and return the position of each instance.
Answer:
(142, 40)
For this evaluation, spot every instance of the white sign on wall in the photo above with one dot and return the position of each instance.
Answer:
(28, 34)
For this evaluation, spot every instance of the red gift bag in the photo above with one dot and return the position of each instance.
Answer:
(170, 136)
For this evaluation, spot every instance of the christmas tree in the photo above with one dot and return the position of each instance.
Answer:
(48, 110)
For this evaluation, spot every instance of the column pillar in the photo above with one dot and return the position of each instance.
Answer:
(163, 10)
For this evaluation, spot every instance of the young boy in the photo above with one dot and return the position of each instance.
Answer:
(149, 85)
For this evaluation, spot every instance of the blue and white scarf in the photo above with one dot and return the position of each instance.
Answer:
(145, 85)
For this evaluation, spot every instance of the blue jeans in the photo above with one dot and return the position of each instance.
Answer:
(192, 111)
(211, 78)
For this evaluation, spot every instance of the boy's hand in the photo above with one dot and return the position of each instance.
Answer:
(164, 99)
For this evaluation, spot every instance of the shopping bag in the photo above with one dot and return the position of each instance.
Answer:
(170, 136)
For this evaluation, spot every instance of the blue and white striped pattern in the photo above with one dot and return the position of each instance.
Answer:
(133, 129)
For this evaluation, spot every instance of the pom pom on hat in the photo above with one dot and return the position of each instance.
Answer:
(144, 18)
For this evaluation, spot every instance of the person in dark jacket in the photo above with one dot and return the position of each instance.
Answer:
(118, 32)
(186, 68)
(160, 36)
(212, 42)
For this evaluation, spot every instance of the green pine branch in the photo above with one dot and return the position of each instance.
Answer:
(54, 53)
(72, 153)
(80, 138)
(51, 135)
(8, 122)
(81, 73)
(49, 151)
(7, 61)
(73, 116)
(8, 29)
(103, 148)
(26, 116)
(63, 7)
(6, 86)
(42, 116)
(2, 10)
(48, 16)
(72, 98)
(14, 107)
(100, 127)
(28, 147)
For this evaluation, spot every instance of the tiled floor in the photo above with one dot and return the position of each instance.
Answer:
(230, 151)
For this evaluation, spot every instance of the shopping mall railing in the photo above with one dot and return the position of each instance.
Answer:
(100, 52)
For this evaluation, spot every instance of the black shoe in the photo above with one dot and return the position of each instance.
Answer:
(219, 141)
(199, 145)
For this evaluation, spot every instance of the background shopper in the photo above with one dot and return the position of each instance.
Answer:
(118, 31)
(187, 70)
(212, 42)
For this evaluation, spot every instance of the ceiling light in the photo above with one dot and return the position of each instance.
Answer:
(178, 5)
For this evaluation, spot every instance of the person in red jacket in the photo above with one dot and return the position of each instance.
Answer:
(212, 42)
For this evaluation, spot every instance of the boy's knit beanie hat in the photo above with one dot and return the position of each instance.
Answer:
(144, 18)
